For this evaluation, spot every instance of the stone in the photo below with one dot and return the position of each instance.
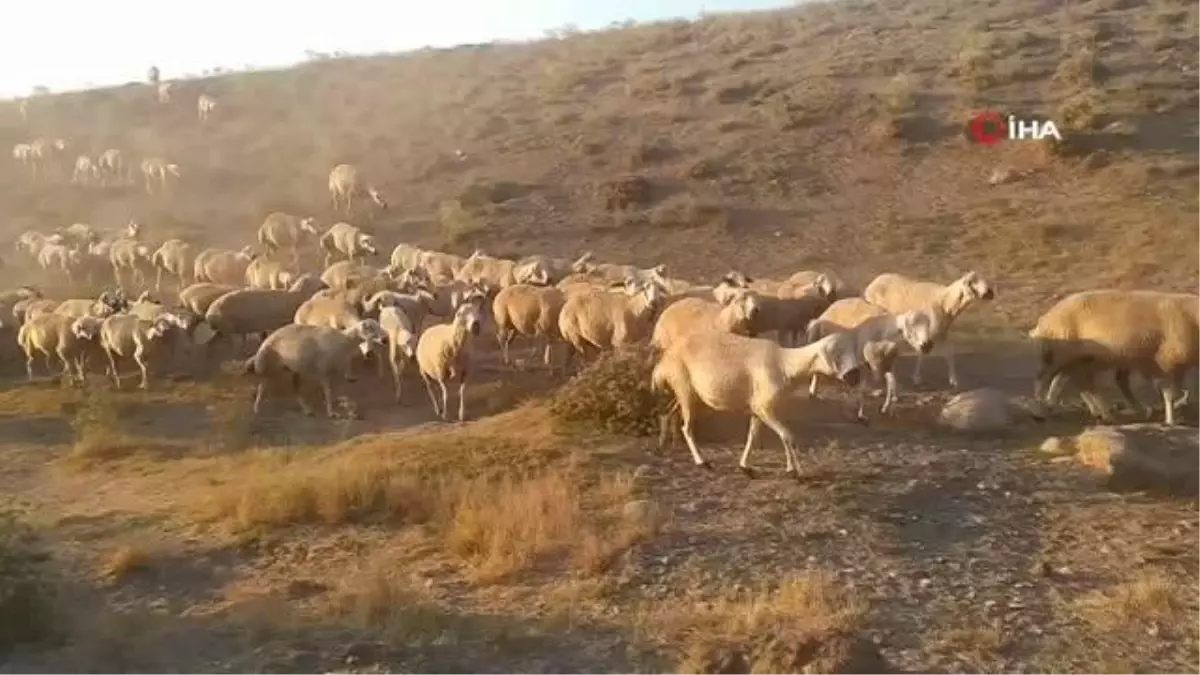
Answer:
(978, 410)
(1142, 456)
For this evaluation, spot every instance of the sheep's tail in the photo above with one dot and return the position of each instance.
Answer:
(658, 378)
(249, 366)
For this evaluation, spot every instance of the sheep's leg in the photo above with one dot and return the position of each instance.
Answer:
(504, 337)
(1170, 392)
(112, 368)
(327, 390)
(951, 369)
(445, 400)
(432, 396)
(29, 365)
(889, 396)
(789, 442)
(665, 426)
(751, 438)
(916, 373)
(547, 356)
(397, 371)
(1121, 377)
(139, 355)
(462, 398)
(685, 427)
(812, 387)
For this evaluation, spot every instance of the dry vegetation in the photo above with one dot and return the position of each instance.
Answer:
(550, 534)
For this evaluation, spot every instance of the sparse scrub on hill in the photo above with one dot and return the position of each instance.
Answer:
(27, 598)
(646, 152)
(974, 64)
(458, 222)
(1079, 69)
(1081, 111)
(686, 211)
(612, 395)
(900, 95)
(97, 425)
(626, 192)
(124, 562)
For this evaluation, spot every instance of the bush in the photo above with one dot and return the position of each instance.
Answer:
(613, 395)
(25, 598)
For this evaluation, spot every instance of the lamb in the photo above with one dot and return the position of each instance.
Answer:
(735, 373)
(85, 170)
(609, 320)
(156, 169)
(129, 336)
(132, 255)
(174, 257)
(532, 311)
(205, 104)
(444, 354)
(200, 296)
(735, 313)
(69, 338)
(878, 335)
(896, 293)
(324, 310)
(347, 183)
(283, 231)
(256, 311)
(347, 240)
(1152, 332)
(402, 338)
(266, 273)
(311, 353)
(223, 267)
(112, 165)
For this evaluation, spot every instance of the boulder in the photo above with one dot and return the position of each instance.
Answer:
(1137, 456)
(979, 410)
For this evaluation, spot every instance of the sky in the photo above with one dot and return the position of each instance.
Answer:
(83, 43)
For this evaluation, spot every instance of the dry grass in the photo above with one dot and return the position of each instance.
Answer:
(1151, 603)
(612, 395)
(124, 562)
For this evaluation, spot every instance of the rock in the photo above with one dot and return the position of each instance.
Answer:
(1003, 174)
(1140, 456)
(978, 410)
(1055, 446)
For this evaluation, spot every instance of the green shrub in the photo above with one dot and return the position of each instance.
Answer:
(613, 395)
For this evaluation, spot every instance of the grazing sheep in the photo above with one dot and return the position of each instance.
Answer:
(444, 354)
(531, 311)
(198, 297)
(311, 353)
(266, 273)
(605, 320)
(1151, 332)
(896, 293)
(285, 232)
(878, 335)
(174, 257)
(324, 310)
(132, 255)
(256, 311)
(734, 313)
(112, 165)
(155, 169)
(129, 336)
(402, 338)
(223, 267)
(69, 338)
(205, 104)
(347, 240)
(730, 372)
(85, 171)
(346, 184)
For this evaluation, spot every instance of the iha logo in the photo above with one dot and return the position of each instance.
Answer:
(990, 127)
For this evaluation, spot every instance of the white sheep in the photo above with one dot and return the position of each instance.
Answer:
(789, 315)
(132, 255)
(220, 266)
(266, 273)
(347, 240)
(731, 372)
(405, 257)
(619, 273)
(46, 153)
(402, 338)
(199, 296)
(441, 267)
(326, 310)
(346, 184)
(444, 355)
(531, 311)
(129, 336)
(173, 257)
(1151, 332)
(60, 257)
(556, 268)
(346, 273)
(311, 353)
(9, 300)
(205, 104)
(416, 304)
(107, 304)
(495, 273)
(896, 294)
(604, 320)
(878, 335)
(735, 312)
(23, 310)
(285, 232)
(112, 165)
(157, 170)
(256, 311)
(164, 92)
(85, 171)
(70, 339)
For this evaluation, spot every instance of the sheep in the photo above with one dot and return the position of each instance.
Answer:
(132, 255)
(618, 273)
(441, 267)
(444, 354)
(313, 353)
(174, 257)
(164, 92)
(205, 104)
(557, 268)
(198, 297)
(85, 170)
(109, 303)
(790, 316)
(347, 240)
(1152, 332)
(284, 231)
(324, 310)
(402, 338)
(896, 293)
(735, 313)
(878, 335)
(493, 273)
(736, 373)
(347, 183)
(609, 320)
(157, 169)
(256, 311)
(346, 273)
(23, 153)
(405, 257)
(416, 304)
(27, 308)
(80, 236)
(223, 267)
(11, 298)
(69, 338)
(266, 273)
(32, 241)
(530, 310)
(831, 284)
(130, 336)
(59, 257)
(152, 75)
(111, 164)
(44, 153)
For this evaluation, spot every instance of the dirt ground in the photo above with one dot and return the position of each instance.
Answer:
(173, 531)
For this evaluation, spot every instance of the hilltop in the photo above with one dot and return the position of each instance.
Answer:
(185, 534)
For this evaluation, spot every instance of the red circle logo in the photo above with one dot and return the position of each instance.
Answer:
(988, 127)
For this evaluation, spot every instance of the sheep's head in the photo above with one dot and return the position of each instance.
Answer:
(60, 144)
(472, 294)
(469, 315)
(307, 284)
(841, 356)
(745, 303)
(377, 198)
(164, 324)
(408, 344)
(976, 286)
(534, 273)
(111, 302)
(247, 253)
(583, 264)
(735, 279)
(308, 225)
(87, 327)
(917, 328)
(133, 229)
(370, 334)
(824, 286)
(726, 289)
(367, 243)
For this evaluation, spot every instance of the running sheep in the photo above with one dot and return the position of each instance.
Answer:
(220, 266)
(285, 232)
(173, 257)
(72, 340)
(347, 185)
(344, 239)
(531, 311)
(129, 336)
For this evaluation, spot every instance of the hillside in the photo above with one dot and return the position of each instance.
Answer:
(186, 535)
